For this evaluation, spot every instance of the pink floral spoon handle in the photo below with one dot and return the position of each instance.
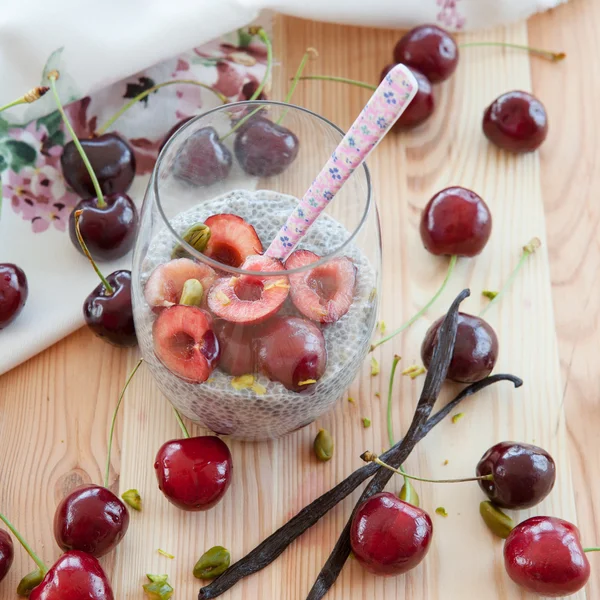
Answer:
(386, 104)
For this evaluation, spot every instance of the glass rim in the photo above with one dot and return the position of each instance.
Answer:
(235, 270)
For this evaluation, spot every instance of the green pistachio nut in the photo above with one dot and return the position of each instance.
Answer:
(212, 563)
(158, 588)
(323, 445)
(29, 582)
(197, 236)
(133, 499)
(499, 523)
(192, 292)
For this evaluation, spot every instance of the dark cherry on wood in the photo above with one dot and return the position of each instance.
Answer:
(7, 553)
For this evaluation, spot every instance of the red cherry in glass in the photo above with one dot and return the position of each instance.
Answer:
(516, 121)
(108, 231)
(74, 576)
(456, 221)
(112, 160)
(430, 50)
(389, 536)
(194, 473)
(7, 553)
(523, 474)
(13, 293)
(475, 351)
(422, 105)
(544, 556)
(91, 519)
(110, 316)
(264, 148)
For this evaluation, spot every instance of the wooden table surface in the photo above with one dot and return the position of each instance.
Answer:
(55, 410)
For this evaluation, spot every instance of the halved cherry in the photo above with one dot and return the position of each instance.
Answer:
(250, 299)
(232, 240)
(325, 293)
(238, 347)
(185, 342)
(164, 286)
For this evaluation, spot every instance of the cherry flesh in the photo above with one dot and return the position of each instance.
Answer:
(7, 553)
(13, 293)
(544, 556)
(108, 232)
(429, 49)
(475, 351)
(422, 105)
(264, 148)
(456, 221)
(516, 121)
(75, 575)
(91, 519)
(110, 316)
(112, 160)
(194, 473)
(389, 536)
(523, 474)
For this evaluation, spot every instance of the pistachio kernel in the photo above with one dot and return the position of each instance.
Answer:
(212, 563)
(498, 522)
(457, 417)
(323, 445)
(374, 367)
(158, 588)
(409, 494)
(192, 293)
(440, 510)
(197, 236)
(366, 422)
(132, 498)
(29, 582)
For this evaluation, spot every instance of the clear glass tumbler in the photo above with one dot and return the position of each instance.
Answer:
(245, 344)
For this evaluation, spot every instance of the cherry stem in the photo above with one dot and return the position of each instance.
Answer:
(53, 76)
(101, 130)
(528, 250)
(310, 53)
(114, 420)
(361, 84)
(103, 279)
(390, 424)
(547, 54)
(36, 559)
(184, 429)
(370, 457)
(593, 549)
(31, 96)
(419, 314)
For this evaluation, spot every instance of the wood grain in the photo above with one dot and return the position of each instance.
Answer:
(56, 408)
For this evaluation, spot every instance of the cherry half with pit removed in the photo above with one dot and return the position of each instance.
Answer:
(194, 473)
(14, 291)
(475, 351)
(7, 553)
(232, 240)
(389, 536)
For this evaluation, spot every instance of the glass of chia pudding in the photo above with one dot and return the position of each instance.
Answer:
(249, 345)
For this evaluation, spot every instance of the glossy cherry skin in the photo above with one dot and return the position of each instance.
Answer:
(110, 316)
(91, 519)
(264, 148)
(7, 553)
(523, 474)
(429, 49)
(194, 473)
(74, 576)
(109, 232)
(13, 293)
(516, 121)
(544, 556)
(422, 105)
(456, 221)
(475, 351)
(389, 536)
(112, 160)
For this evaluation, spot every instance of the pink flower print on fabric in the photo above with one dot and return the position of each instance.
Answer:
(449, 15)
(383, 109)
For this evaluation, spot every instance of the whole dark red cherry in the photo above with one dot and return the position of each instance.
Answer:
(429, 49)
(172, 131)
(475, 351)
(110, 316)
(91, 519)
(523, 474)
(389, 536)
(516, 121)
(7, 553)
(112, 160)
(264, 148)
(249, 89)
(74, 576)
(108, 232)
(544, 556)
(194, 473)
(13, 292)
(422, 105)
(202, 159)
(456, 221)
